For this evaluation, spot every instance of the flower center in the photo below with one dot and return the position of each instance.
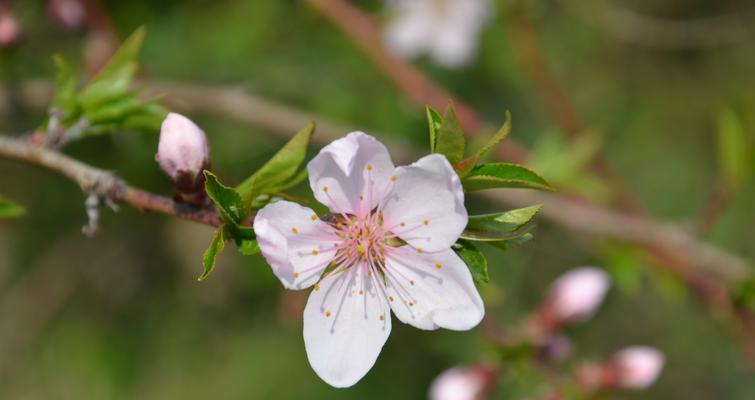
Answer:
(364, 240)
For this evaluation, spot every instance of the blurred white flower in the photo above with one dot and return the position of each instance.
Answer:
(467, 382)
(182, 151)
(447, 30)
(638, 367)
(10, 30)
(385, 248)
(576, 295)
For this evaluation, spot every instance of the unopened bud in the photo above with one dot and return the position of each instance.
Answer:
(10, 30)
(183, 153)
(575, 296)
(637, 367)
(467, 382)
(69, 13)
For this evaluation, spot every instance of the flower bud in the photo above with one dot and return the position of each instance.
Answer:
(69, 13)
(10, 30)
(183, 153)
(637, 367)
(575, 296)
(467, 382)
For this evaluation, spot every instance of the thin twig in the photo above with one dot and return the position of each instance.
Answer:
(103, 183)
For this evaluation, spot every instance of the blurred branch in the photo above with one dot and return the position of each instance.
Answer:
(645, 30)
(104, 184)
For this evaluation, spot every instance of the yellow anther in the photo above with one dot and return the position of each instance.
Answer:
(393, 178)
(296, 274)
(327, 313)
(313, 217)
(425, 222)
(390, 298)
(402, 224)
(369, 167)
(317, 287)
(419, 250)
(382, 317)
(314, 252)
(437, 265)
(294, 230)
(325, 189)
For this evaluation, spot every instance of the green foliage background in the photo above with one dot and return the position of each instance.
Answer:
(122, 315)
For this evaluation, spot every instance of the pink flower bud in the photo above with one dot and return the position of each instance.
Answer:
(10, 30)
(576, 295)
(183, 152)
(69, 13)
(637, 367)
(467, 382)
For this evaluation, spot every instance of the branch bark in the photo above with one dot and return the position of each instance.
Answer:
(100, 182)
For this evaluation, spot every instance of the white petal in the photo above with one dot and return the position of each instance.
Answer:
(346, 323)
(352, 174)
(285, 230)
(432, 290)
(426, 207)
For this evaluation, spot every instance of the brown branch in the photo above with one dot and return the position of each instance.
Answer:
(100, 182)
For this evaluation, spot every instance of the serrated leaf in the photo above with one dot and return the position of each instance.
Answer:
(474, 258)
(503, 175)
(283, 169)
(434, 121)
(65, 98)
(734, 148)
(449, 139)
(500, 226)
(463, 167)
(210, 255)
(226, 199)
(114, 78)
(9, 209)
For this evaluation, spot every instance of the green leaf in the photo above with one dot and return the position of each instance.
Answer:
(248, 247)
(500, 226)
(226, 199)
(734, 148)
(114, 78)
(434, 121)
(474, 259)
(9, 209)
(508, 244)
(503, 175)
(463, 167)
(282, 171)
(65, 98)
(449, 139)
(210, 255)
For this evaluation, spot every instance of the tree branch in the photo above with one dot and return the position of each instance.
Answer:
(104, 184)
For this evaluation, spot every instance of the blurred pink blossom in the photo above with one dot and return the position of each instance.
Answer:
(69, 13)
(10, 30)
(637, 367)
(576, 295)
(467, 382)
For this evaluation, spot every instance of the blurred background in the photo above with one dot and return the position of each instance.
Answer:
(642, 108)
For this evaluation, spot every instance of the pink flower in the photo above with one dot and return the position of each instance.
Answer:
(182, 151)
(468, 382)
(638, 367)
(386, 247)
(10, 30)
(576, 295)
(70, 13)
